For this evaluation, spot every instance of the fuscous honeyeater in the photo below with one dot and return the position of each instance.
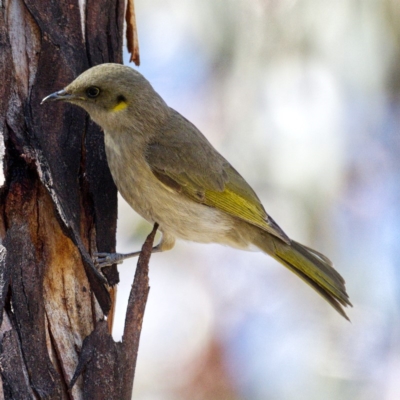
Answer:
(171, 175)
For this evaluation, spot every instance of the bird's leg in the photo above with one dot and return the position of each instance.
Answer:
(106, 259)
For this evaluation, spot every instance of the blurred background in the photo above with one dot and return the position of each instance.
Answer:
(302, 97)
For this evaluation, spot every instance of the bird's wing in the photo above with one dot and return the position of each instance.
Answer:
(183, 160)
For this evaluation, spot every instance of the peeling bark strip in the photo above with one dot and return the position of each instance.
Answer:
(131, 33)
(58, 203)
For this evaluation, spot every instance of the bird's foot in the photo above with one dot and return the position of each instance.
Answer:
(106, 259)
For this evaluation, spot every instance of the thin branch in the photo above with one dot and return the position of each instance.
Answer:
(135, 312)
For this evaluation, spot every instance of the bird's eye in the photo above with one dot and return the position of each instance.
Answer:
(92, 92)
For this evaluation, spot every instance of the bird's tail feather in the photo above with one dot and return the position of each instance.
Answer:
(311, 266)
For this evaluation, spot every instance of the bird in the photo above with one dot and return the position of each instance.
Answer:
(171, 175)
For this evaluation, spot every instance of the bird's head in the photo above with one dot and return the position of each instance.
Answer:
(115, 96)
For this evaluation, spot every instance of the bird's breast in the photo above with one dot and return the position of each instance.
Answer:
(174, 212)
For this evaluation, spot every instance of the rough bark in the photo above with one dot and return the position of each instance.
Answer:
(110, 367)
(58, 203)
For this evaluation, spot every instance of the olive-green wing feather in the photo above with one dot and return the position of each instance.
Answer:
(183, 159)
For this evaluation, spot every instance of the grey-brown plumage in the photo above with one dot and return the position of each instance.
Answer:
(170, 174)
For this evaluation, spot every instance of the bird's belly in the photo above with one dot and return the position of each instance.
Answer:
(179, 216)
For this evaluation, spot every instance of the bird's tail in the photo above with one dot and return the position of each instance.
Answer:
(311, 266)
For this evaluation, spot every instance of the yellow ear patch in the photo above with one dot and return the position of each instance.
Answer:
(120, 106)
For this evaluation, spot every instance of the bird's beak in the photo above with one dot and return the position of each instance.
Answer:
(60, 95)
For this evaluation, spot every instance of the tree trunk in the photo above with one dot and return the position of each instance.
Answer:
(58, 203)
